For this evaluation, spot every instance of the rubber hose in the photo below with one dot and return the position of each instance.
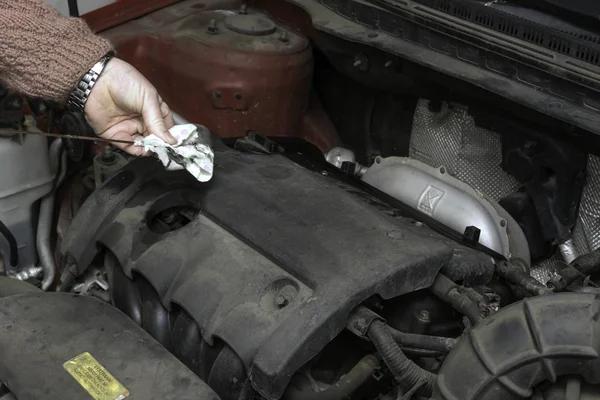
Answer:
(422, 352)
(580, 268)
(344, 387)
(406, 373)
(442, 328)
(514, 273)
(12, 245)
(435, 343)
(58, 162)
(522, 346)
(449, 292)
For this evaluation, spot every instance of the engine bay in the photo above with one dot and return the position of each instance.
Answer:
(374, 229)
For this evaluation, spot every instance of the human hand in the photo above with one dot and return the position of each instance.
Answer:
(123, 105)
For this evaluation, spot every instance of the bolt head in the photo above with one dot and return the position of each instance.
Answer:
(108, 155)
(283, 37)
(212, 26)
(424, 316)
(281, 301)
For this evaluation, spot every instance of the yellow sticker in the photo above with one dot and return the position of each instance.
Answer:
(94, 378)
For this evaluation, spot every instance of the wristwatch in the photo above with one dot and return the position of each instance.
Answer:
(79, 96)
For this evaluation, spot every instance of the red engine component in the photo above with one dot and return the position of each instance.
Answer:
(229, 68)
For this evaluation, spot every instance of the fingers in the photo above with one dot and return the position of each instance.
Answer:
(129, 148)
(167, 114)
(123, 93)
(143, 152)
(155, 122)
(126, 131)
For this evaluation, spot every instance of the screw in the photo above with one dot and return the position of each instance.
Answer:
(285, 296)
(424, 316)
(281, 301)
(530, 148)
(388, 64)
(244, 9)
(212, 26)
(108, 155)
(283, 37)
(357, 63)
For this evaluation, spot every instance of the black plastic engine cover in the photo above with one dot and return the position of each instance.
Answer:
(273, 265)
(39, 332)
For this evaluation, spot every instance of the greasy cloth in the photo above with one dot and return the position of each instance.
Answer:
(191, 152)
(42, 53)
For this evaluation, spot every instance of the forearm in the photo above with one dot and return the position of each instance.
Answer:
(42, 53)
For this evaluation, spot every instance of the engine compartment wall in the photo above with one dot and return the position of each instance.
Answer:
(230, 80)
(266, 223)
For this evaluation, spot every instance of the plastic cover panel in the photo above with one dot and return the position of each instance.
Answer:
(267, 223)
(35, 346)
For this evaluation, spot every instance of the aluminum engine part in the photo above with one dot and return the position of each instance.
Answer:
(434, 192)
(343, 158)
(26, 177)
(568, 251)
(471, 154)
(58, 163)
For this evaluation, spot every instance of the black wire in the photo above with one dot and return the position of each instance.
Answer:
(12, 244)
(73, 8)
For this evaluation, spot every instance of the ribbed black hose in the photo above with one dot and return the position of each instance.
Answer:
(426, 342)
(343, 388)
(513, 273)
(73, 8)
(12, 244)
(448, 291)
(406, 373)
(580, 268)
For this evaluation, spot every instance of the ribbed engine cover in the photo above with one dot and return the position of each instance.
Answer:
(273, 265)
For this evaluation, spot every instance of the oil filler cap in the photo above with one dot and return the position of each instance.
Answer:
(253, 25)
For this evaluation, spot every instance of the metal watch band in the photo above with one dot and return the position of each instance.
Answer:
(79, 96)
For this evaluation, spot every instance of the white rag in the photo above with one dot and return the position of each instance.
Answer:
(188, 153)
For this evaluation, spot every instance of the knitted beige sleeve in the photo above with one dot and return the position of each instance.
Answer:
(42, 53)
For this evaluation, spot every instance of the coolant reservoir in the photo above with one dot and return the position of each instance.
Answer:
(25, 177)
